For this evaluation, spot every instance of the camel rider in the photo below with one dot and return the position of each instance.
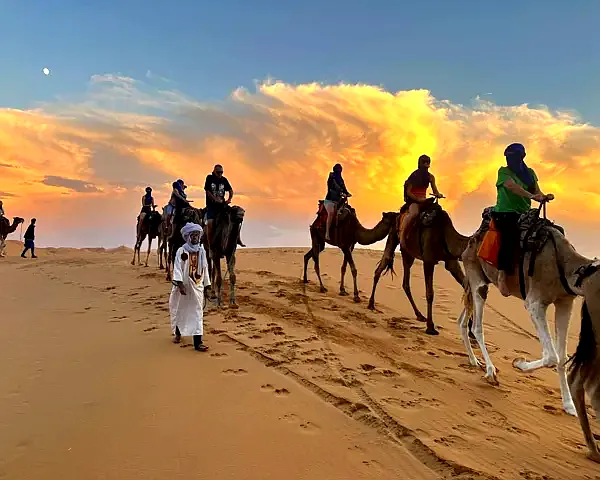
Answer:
(147, 207)
(1, 209)
(415, 194)
(215, 187)
(516, 186)
(178, 200)
(335, 189)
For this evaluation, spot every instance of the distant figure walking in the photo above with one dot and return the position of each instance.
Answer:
(30, 239)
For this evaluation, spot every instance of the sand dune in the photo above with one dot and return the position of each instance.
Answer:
(296, 384)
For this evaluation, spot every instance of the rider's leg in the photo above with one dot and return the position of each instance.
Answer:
(407, 222)
(330, 209)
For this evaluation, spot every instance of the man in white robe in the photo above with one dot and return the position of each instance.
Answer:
(190, 277)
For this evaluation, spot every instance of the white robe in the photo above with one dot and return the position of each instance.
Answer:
(187, 311)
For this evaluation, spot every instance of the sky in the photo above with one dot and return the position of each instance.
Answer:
(142, 93)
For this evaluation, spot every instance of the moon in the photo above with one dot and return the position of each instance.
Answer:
(46, 71)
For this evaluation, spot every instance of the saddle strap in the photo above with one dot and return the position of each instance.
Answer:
(561, 270)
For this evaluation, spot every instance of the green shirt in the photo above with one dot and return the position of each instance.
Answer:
(508, 201)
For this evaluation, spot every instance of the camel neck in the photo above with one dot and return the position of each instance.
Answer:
(369, 236)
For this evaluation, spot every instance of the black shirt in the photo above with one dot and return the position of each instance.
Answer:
(217, 186)
(419, 179)
(30, 233)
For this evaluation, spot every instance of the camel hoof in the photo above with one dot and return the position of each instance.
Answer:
(343, 293)
(323, 290)
(518, 363)
(371, 305)
(235, 306)
(570, 410)
(492, 380)
(305, 281)
(432, 331)
(421, 318)
(593, 456)
(357, 299)
(133, 263)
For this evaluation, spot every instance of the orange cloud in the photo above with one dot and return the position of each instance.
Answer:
(82, 163)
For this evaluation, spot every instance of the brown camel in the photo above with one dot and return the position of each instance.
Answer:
(584, 368)
(432, 239)
(6, 228)
(546, 275)
(346, 232)
(226, 237)
(149, 227)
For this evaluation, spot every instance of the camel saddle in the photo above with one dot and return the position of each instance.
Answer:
(534, 232)
(343, 213)
(427, 214)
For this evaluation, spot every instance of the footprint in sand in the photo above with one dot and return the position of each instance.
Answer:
(231, 371)
(279, 392)
(149, 329)
(219, 354)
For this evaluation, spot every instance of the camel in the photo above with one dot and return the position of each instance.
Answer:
(584, 365)
(552, 278)
(6, 228)
(175, 240)
(149, 227)
(226, 237)
(432, 239)
(346, 232)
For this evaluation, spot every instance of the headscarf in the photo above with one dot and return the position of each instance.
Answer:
(515, 153)
(337, 173)
(186, 232)
(148, 196)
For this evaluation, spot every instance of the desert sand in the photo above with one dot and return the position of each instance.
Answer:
(296, 384)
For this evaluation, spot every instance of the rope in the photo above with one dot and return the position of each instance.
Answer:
(21, 234)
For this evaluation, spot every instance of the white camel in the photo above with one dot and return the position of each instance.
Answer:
(556, 268)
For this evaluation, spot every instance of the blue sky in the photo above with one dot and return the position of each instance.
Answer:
(521, 52)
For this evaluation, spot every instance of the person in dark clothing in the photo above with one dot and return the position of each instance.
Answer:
(30, 239)
(147, 207)
(516, 186)
(415, 194)
(215, 186)
(335, 189)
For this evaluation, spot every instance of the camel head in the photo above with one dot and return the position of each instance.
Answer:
(18, 220)
(192, 215)
(236, 214)
(390, 217)
(154, 220)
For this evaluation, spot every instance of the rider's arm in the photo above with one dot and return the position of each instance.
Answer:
(517, 189)
(229, 191)
(334, 185)
(436, 192)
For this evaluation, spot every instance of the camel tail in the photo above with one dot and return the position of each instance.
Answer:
(587, 348)
(387, 264)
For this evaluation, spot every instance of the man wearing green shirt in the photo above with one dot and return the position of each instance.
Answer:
(517, 185)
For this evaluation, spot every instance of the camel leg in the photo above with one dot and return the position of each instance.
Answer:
(428, 269)
(478, 307)
(463, 327)
(2, 246)
(149, 248)
(232, 279)
(307, 256)
(135, 249)
(317, 248)
(562, 318)
(537, 311)
(407, 263)
(348, 258)
(577, 390)
(218, 280)
(343, 291)
(453, 266)
(386, 259)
